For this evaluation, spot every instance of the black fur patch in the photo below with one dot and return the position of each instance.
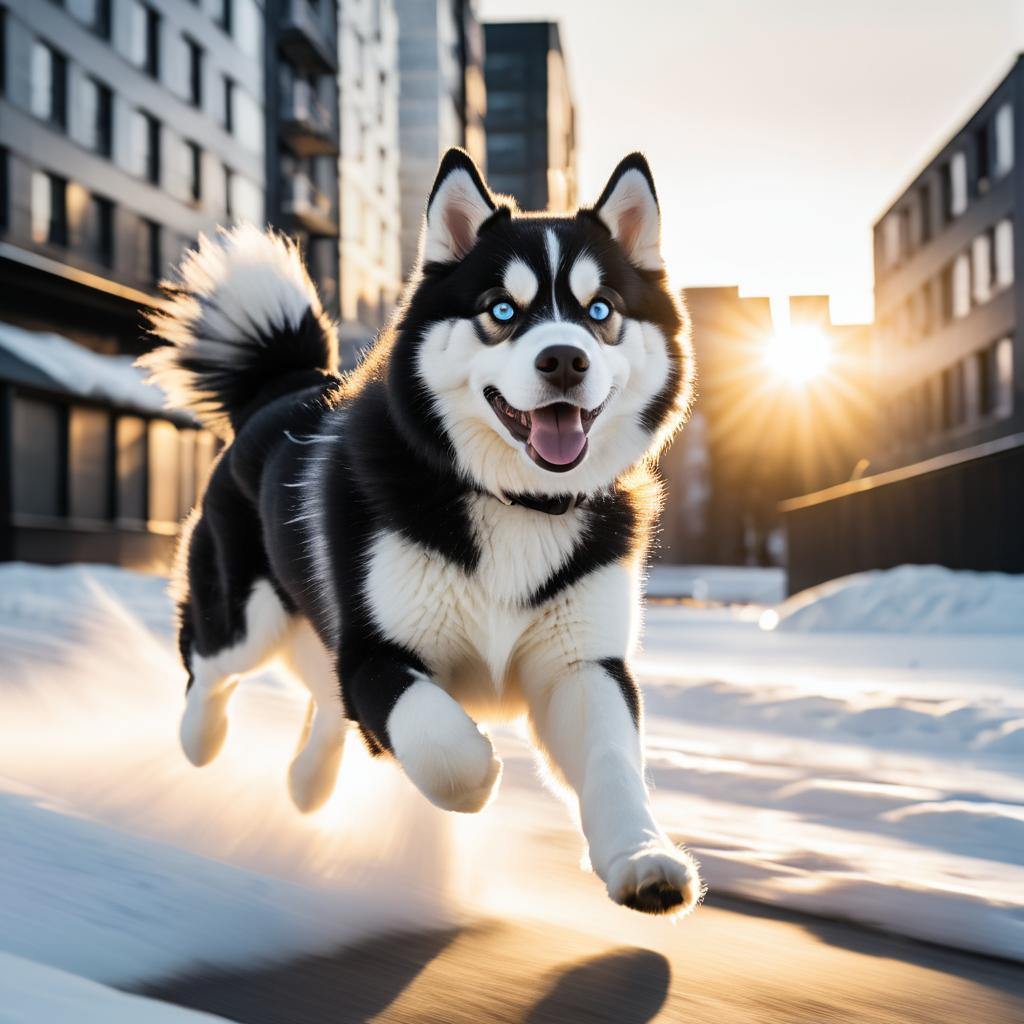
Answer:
(620, 672)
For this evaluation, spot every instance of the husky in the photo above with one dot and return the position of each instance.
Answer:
(455, 530)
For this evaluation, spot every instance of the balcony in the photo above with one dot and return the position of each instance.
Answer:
(304, 38)
(307, 207)
(306, 124)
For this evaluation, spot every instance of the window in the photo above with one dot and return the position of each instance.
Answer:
(37, 430)
(982, 152)
(89, 468)
(229, 188)
(924, 201)
(164, 471)
(946, 293)
(984, 373)
(954, 186)
(49, 85)
(1003, 132)
(961, 286)
(248, 21)
(1004, 377)
(248, 123)
(981, 267)
(1004, 253)
(154, 250)
(49, 209)
(195, 171)
(195, 72)
(103, 215)
(225, 16)
(229, 105)
(3, 52)
(145, 38)
(96, 128)
(952, 396)
(94, 14)
(147, 147)
(130, 439)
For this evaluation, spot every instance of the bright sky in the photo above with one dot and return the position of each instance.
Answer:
(777, 130)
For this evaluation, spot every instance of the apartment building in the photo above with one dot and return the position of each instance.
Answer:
(442, 100)
(126, 129)
(370, 215)
(948, 291)
(531, 120)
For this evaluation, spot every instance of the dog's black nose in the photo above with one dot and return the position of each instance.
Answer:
(564, 365)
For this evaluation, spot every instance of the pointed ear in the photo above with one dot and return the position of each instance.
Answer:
(629, 209)
(459, 203)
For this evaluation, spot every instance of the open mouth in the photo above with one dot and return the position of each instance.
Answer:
(555, 435)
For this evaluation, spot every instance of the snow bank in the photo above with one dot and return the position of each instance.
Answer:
(81, 371)
(121, 861)
(909, 599)
(877, 781)
(31, 993)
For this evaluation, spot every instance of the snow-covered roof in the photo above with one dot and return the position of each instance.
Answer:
(79, 371)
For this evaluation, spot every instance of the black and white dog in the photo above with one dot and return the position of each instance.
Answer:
(458, 528)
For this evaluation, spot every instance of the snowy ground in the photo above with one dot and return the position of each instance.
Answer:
(869, 775)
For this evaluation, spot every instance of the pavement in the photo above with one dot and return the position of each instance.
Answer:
(546, 945)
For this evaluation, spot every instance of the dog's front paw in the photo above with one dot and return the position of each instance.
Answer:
(655, 880)
(442, 751)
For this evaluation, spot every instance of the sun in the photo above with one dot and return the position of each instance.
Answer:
(798, 354)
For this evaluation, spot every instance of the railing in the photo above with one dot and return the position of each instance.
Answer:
(308, 205)
(963, 510)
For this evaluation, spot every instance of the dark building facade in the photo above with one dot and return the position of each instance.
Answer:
(126, 129)
(531, 121)
(754, 437)
(944, 479)
(949, 291)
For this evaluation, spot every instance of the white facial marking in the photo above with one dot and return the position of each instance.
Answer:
(584, 278)
(554, 256)
(520, 282)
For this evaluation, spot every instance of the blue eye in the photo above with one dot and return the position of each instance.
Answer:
(503, 311)
(599, 310)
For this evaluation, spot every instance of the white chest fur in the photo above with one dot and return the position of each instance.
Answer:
(455, 619)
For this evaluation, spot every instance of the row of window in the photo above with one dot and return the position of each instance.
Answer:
(240, 19)
(64, 214)
(86, 463)
(94, 121)
(967, 394)
(916, 222)
(971, 279)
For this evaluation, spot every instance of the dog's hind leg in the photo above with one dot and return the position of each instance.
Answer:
(214, 675)
(314, 770)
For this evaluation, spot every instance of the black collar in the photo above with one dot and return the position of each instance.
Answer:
(554, 505)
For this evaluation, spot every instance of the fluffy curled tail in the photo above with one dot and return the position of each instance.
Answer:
(241, 312)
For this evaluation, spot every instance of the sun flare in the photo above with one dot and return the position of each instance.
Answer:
(798, 354)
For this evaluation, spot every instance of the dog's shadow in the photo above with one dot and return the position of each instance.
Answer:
(625, 986)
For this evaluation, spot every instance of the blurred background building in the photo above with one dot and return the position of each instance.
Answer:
(442, 100)
(531, 120)
(127, 128)
(946, 478)
(769, 423)
(302, 130)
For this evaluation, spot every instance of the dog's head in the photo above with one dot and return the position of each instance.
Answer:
(544, 354)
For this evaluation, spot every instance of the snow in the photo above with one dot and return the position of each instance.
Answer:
(121, 861)
(874, 776)
(33, 993)
(81, 371)
(728, 584)
(910, 599)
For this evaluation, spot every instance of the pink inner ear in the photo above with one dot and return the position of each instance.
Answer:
(630, 223)
(459, 226)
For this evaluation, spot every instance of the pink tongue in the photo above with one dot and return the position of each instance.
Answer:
(556, 433)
